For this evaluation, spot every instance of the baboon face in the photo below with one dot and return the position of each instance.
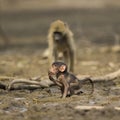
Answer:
(58, 29)
(58, 67)
(58, 37)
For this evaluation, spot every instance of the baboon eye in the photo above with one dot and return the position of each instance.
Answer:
(54, 66)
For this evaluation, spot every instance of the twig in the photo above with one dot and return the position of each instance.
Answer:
(41, 84)
(110, 76)
(93, 107)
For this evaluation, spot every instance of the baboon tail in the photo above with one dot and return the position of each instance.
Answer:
(87, 85)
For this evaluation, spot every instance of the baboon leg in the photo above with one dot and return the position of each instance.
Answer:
(72, 60)
(66, 59)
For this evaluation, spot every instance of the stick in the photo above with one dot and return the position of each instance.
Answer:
(42, 83)
(28, 87)
(93, 107)
(110, 76)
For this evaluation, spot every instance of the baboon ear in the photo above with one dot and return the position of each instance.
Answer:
(62, 68)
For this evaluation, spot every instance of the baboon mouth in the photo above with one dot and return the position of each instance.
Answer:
(57, 36)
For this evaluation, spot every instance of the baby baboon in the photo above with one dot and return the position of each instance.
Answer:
(68, 82)
(60, 40)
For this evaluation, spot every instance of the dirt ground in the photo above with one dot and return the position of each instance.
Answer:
(94, 31)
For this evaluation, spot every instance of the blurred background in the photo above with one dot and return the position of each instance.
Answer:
(26, 22)
(24, 28)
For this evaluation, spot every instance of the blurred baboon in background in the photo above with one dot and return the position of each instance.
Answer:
(60, 40)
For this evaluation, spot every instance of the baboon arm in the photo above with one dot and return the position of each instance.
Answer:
(55, 81)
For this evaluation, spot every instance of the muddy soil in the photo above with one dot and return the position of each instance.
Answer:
(94, 32)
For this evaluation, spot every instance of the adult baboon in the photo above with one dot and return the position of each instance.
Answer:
(60, 40)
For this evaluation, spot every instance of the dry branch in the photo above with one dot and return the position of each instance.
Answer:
(110, 76)
(93, 107)
(40, 84)
(48, 83)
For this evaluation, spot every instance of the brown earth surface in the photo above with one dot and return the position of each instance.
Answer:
(94, 31)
